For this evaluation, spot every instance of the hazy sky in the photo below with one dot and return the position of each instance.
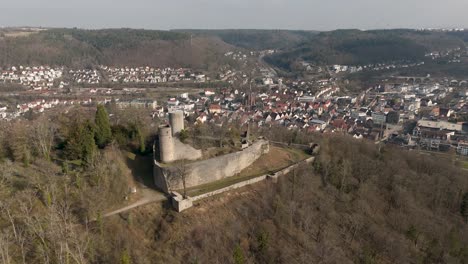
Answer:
(270, 14)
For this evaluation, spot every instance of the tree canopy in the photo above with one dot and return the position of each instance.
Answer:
(103, 132)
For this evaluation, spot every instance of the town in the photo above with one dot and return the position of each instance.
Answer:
(412, 112)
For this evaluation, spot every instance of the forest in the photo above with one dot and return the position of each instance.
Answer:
(205, 49)
(355, 47)
(79, 48)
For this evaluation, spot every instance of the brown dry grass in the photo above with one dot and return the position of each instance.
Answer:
(276, 159)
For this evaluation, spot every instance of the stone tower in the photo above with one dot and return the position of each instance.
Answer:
(176, 121)
(166, 144)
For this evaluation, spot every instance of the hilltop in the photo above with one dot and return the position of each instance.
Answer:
(257, 39)
(119, 47)
(358, 203)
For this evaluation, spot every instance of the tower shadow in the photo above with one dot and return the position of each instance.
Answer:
(142, 169)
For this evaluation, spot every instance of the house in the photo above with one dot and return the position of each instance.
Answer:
(319, 124)
(340, 125)
(201, 118)
(267, 81)
(209, 93)
(440, 125)
(215, 108)
(378, 118)
(200, 78)
(173, 102)
(138, 103)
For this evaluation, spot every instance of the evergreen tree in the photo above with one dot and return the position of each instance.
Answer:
(89, 145)
(80, 143)
(464, 207)
(103, 132)
(73, 142)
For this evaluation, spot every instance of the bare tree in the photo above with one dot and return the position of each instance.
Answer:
(18, 237)
(44, 134)
(19, 142)
(35, 225)
(180, 173)
(5, 242)
(346, 170)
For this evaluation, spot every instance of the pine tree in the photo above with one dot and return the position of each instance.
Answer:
(103, 132)
(73, 147)
(464, 207)
(80, 142)
(89, 145)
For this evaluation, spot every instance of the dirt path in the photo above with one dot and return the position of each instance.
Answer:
(148, 196)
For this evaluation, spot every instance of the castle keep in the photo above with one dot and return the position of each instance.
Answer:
(170, 147)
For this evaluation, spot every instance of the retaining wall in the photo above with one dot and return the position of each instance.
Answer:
(181, 205)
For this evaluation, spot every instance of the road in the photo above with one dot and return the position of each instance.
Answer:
(261, 61)
(148, 196)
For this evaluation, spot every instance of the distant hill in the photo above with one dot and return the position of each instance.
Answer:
(355, 47)
(257, 39)
(81, 48)
(205, 49)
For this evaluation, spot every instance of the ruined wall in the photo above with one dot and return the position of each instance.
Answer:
(159, 177)
(210, 170)
(185, 152)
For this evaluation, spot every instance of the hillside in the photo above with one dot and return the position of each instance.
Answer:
(205, 49)
(359, 203)
(130, 47)
(257, 39)
(355, 47)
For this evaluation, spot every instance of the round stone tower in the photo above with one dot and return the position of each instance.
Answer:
(166, 144)
(176, 119)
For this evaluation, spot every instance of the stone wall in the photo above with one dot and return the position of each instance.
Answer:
(159, 177)
(181, 204)
(207, 171)
(185, 152)
(229, 188)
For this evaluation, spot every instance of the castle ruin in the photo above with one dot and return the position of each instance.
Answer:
(174, 156)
